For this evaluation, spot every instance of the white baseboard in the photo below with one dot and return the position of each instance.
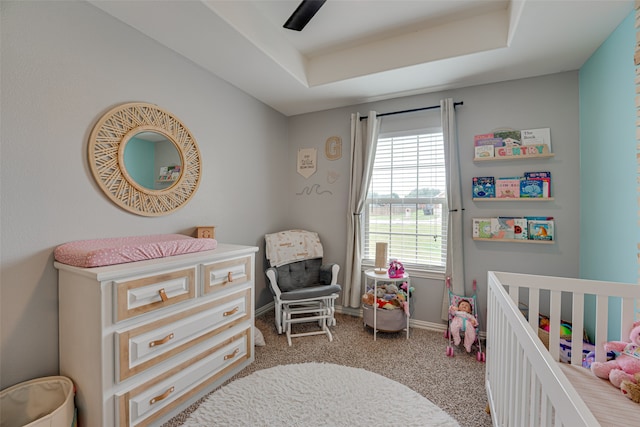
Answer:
(357, 312)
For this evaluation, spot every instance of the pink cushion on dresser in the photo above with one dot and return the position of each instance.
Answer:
(119, 250)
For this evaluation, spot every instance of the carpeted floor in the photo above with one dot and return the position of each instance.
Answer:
(454, 384)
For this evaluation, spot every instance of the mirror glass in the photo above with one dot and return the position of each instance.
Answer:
(152, 160)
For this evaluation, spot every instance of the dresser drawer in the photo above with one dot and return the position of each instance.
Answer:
(226, 274)
(144, 404)
(145, 346)
(149, 293)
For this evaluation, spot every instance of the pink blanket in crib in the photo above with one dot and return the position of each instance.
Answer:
(119, 250)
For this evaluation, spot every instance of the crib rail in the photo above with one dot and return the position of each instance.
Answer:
(525, 385)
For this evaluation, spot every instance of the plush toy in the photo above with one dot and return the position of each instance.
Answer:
(626, 365)
(368, 299)
(631, 390)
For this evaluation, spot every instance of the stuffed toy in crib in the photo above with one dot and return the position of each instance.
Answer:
(631, 390)
(626, 365)
(463, 320)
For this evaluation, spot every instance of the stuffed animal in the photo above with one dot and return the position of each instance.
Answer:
(626, 365)
(631, 390)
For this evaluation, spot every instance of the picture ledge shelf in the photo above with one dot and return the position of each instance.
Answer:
(543, 242)
(513, 199)
(527, 157)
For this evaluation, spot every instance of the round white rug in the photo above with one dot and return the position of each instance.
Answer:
(317, 394)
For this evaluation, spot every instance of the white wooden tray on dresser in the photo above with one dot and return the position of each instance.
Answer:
(143, 340)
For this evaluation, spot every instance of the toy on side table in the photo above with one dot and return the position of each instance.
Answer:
(626, 364)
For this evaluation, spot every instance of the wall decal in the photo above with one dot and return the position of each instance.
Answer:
(307, 191)
(333, 148)
(307, 160)
(332, 177)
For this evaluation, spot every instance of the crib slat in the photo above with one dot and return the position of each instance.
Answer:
(627, 317)
(554, 324)
(534, 307)
(602, 303)
(577, 328)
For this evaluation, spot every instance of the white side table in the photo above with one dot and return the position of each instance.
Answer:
(371, 275)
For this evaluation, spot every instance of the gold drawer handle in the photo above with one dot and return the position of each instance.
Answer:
(162, 341)
(163, 295)
(232, 355)
(230, 312)
(229, 278)
(162, 396)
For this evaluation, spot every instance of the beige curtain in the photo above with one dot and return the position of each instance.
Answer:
(455, 254)
(364, 139)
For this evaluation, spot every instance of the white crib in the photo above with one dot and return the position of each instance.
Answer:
(526, 385)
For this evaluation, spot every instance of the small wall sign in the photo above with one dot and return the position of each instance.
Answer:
(307, 161)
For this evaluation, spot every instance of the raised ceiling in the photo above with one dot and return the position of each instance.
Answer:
(356, 51)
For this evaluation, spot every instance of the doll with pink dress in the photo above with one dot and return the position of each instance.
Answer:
(463, 321)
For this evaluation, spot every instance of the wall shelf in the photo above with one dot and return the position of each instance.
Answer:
(528, 157)
(542, 242)
(515, 199)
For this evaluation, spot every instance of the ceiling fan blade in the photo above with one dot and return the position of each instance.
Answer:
(303, 14)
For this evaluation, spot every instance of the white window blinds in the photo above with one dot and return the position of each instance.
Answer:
(406, 201)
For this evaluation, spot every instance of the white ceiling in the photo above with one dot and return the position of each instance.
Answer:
(356, 51)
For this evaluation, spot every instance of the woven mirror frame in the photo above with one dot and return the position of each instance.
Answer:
(106, 158)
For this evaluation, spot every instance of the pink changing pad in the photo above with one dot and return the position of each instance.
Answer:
(119, 250)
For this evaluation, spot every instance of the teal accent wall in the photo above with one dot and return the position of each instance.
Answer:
(138, 155)
(609, 232)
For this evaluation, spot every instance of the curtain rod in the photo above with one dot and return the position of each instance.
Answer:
(455, 104)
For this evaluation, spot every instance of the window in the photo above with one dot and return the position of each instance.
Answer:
(406, 202)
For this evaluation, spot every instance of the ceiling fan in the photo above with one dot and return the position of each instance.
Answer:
(303, 14)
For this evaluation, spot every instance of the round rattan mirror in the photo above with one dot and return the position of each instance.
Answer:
(137, 134)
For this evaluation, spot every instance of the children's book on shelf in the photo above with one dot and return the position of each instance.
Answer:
(508, 187)
(495, 142)
(484, 151)
(477, 138)
(482, 228)
(545, 176)
(520, 230)
(533, 188)
(484, 187)
(541, 229)
(536, 137)
(502, 228)
(510, 137)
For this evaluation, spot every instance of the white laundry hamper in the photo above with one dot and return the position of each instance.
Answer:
(47, 401)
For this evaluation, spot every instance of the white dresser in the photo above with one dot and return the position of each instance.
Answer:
(144, 340)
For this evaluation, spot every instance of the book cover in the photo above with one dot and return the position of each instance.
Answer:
(545, 176)
(508, 188)
(484, 187)
(520, 229)
(510, 137)
(541, 229)
(482, 228)
(496, 142)
(533, 188)
(537, 136)
(502, 228)
(484, 151)
(477, 138)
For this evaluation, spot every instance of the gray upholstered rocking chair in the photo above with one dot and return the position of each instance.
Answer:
(304, 289)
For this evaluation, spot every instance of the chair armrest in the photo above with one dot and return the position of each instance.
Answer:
(329, 273)
(272, 275)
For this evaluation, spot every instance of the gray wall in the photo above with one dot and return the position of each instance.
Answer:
(549, 101)
(66, 63)
(63, 65)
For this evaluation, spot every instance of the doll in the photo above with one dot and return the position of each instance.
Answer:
(463, 321)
